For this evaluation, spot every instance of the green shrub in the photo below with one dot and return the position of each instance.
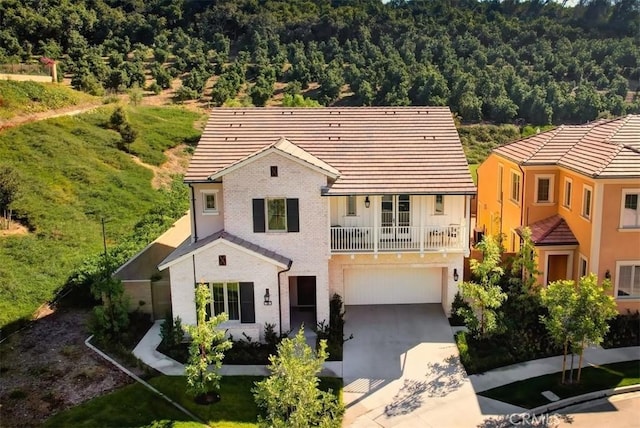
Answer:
(624, 330)
(333, 332)
(457, 305)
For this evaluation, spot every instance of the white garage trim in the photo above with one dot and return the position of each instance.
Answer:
(392, 285)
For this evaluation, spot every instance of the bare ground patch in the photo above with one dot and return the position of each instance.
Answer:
(177, 163)
(46, 368)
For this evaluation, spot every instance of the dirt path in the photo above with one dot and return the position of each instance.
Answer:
(67, 111)
(47, 368)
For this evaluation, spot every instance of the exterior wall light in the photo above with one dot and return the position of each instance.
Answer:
(267, 298)
(367, 202)
(455, 275)
(607, 274)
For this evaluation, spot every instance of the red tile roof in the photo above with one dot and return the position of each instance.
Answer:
(375, 149)
(603, 149)
(552, 230)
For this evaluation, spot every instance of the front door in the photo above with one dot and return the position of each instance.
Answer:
(395, 217)
(557, 268)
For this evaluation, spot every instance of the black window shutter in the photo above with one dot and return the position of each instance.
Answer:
(247, 304)
(258, 216)
(293, 218)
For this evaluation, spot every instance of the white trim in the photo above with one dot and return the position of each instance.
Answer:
(551, 178)
(215, 243)
(209, 211)
(620, 263)
(582, 258)
(589, 217)
(567, 180)
(500, 182)
(558, 253)
(597, 220)
(513, 173)
(254, 157)
(623, 194)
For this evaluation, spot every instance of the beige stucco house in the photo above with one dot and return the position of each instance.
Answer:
(290, 206)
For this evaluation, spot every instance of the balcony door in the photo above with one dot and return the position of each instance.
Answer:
(395, 217)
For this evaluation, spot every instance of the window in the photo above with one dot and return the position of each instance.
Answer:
(629, 281)
(439, 205)
(209, 202)
(226, 298)
(515, 187)
(351, 205)
(630, 212)
(582, 268)
(500, 169)
(276, 215)
(544, 188)
(274, 171)
(586, 202)
(567, 193)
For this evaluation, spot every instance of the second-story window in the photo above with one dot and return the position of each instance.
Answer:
(515, 187)
(630, 210)
(209, 203)
(567, 192)
(439, 205)
(351, 205)
(544, 189)
(276, 215)
(586, 202)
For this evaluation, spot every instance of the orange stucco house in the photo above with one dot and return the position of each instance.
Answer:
(578, 189)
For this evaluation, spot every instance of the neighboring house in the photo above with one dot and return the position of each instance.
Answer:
(291, 206)
(577, 188)
(147, 288)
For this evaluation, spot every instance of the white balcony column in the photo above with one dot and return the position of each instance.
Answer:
(422, 214)
(375, 205)
(466, 222)
(330, 240)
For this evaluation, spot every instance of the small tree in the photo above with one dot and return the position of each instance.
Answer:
(486, 296)
(110, 319)
(560, 299)
(594, 309)
(207, 348)
(290, 397)
(525, 267)
(9, 187)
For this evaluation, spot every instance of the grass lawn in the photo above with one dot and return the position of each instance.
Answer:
(527, 393)
(71, 175)
(134, 405)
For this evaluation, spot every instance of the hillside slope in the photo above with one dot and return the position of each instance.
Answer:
(71, 175)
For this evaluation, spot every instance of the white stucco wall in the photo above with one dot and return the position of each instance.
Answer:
(241, 267)
(210, 222)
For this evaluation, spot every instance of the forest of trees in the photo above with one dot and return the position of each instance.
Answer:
(506, 61)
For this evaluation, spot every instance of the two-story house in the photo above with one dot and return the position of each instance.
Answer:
(290, 206)
(577, 188)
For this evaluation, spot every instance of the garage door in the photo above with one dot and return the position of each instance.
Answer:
(378, 286)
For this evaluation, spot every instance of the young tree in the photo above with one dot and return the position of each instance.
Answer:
(594, 308)
(290, 397)
(525, 268)
(111, 318)
(560, 299)
(487, 296)
(9, 187)
(207, 348)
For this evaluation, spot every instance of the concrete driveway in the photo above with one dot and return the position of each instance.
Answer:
(402, 368)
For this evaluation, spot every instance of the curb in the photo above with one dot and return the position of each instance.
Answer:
(142, 382)
(578, 399)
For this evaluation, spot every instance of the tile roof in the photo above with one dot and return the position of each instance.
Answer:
(552, 230)
(375, 149)
(188, 247)
(602, 149)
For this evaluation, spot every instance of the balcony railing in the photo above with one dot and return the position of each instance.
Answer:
(396, 238)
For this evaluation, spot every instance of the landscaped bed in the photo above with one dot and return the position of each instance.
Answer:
(528, 393)
(134, 405)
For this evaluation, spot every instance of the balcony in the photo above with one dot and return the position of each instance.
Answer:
(397, 239)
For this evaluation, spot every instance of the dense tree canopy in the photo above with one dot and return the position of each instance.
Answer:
(502, 61)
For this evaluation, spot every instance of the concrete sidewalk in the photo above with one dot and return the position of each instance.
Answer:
(401, 404)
